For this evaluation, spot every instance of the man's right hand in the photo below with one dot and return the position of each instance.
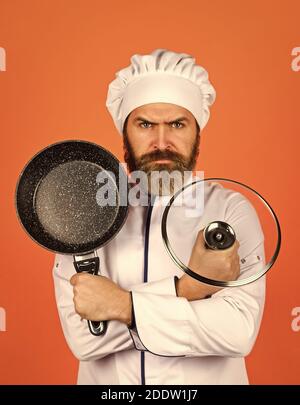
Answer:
(223, 265)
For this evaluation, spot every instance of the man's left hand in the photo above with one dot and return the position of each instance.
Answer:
(97, 298)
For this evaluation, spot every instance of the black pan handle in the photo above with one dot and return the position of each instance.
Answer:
(91, 265)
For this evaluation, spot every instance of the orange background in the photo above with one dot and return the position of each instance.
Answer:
(61, 56)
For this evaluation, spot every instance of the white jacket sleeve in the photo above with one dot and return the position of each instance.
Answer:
(226, 324)
(82, 343)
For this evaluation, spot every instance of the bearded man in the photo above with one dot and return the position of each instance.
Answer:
(165, 327)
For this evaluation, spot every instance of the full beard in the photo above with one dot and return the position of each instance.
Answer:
(161, 178)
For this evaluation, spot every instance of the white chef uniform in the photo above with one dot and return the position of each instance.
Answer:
(175, 341)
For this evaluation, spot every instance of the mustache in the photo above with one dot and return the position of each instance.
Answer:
(160, 155)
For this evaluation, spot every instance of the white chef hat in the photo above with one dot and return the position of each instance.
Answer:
(162, 76)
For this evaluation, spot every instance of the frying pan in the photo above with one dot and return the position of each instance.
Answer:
(58, 204)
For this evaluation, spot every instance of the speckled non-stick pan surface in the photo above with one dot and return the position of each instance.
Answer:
(56, 197)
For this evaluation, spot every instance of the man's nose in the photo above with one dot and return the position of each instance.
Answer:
(162, 138)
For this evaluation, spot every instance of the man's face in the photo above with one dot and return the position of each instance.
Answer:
(161, 136)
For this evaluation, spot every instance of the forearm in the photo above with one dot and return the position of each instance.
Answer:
(81, 342)
(85, 346)
(224, 325)
(124, 311)
(191, 289)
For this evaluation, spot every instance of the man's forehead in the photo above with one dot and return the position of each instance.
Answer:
(161, 112)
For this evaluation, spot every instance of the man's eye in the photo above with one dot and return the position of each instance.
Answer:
(145, 124)
(177, 124)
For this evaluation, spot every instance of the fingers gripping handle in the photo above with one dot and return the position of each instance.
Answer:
(91, 265)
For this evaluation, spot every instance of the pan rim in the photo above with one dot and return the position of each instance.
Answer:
(123, 208)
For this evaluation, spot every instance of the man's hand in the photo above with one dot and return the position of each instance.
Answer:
(220, 265)
(97, 298)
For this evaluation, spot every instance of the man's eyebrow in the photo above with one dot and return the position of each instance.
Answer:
(146, 120)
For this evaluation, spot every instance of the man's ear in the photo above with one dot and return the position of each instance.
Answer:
(124, 131)
(197, 127)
